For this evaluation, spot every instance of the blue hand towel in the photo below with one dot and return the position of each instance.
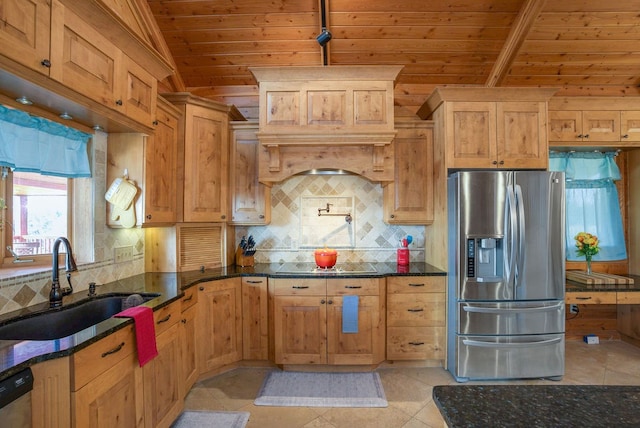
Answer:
(350, 314)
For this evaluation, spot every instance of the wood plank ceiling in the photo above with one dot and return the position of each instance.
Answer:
(582, 47)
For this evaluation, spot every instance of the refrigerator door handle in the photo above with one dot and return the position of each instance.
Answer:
(483, 310)
(511, 231)
(481, 344)
(521, 233)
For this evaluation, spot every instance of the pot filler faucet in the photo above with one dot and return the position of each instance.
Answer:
(57, 293)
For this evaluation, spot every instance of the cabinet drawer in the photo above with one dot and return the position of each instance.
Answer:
(591, 298)
(415, 310)
(415, 343)
(165, 317)
(300, 287)
(361, 286)
(416, 284)
(101, 356)
(189, 299)
(628, 298)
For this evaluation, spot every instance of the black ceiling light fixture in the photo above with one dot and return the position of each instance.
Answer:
(325, 35)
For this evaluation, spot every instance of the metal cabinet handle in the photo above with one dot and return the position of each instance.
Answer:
(353, 286)
(113, 351)
(300, 287)
(392, 216)
(495, 162)
(416, 284)
(583, 298)
(501, 162)
(201, 288)
(165, 319)
(330, 302)
(118, 102)
(45, 63)
(183, 321)
(416, 343)
(261, 216)
(322, 302)
(586, 136)
(254, 282)
(415, 310)
(625, 136)
(148, 216)
(580, 136)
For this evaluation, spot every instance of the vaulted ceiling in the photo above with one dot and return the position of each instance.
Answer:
(582, 47)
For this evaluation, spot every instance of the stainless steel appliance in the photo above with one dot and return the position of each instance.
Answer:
(506, 277)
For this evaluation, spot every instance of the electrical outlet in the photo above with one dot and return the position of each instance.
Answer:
(573, 309)
(123, 254)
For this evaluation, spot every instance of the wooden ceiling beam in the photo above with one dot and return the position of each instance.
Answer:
(529, 11)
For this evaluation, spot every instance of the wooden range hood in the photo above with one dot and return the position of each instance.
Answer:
(337, 117)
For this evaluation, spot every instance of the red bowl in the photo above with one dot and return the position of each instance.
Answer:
(326, 258)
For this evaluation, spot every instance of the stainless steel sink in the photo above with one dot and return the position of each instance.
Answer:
(65, 321)
(311, 268)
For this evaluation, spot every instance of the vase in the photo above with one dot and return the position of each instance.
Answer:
(588, 264)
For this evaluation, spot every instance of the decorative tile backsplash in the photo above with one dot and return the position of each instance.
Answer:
(296, 229)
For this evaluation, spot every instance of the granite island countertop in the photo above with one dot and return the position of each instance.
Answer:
(538, 405)
(18, 355)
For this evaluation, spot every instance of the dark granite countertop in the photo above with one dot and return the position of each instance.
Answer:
(538, 405)
(17, 355)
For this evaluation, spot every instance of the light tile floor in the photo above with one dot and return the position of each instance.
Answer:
(408, 391)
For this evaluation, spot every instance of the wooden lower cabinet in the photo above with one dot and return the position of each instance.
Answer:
(107, 384)
(219, 323)
(187, 333)
(163, 390)
(255, 328)
(50, 399)
(308, 321)
(416, 321)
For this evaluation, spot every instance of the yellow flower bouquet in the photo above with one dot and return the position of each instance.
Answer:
(587, 245)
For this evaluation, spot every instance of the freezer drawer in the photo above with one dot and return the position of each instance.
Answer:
(509, 357)
(505, 318)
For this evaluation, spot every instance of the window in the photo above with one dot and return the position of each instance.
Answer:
(37, 212)
(592, 203)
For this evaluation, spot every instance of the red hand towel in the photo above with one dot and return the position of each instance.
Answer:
(145, 332)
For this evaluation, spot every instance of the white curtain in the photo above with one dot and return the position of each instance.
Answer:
(33, 144)
(592, 203)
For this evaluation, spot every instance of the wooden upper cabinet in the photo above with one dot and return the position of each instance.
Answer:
(152, 163)
(86, 61)
(491, 127)
(161, 166)
(25, 32)
(594, 121)
(204, 143)
(409, 199)
(250, 199)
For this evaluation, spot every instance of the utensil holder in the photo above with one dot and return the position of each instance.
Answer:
(242, 260)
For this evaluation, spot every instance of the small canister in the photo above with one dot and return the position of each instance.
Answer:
(403, 256)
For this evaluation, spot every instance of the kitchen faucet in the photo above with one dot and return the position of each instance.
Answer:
(56, 294)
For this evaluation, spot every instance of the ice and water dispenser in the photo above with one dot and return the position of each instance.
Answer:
(485, 259)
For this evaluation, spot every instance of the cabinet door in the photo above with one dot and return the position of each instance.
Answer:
(522, 135)
(629, 125)
(24, 33)
(188, 356)
(205, 165)
(161, 163)
(163, 389)
(112, 399)
(255, 327)
(409, 199)
(367, 346)
(219, 317)
(565, 125)
(250, 199)
(50, 398)
(84, 60)
(598, 126)
(300, 329)
(470, 129)
(137, 93)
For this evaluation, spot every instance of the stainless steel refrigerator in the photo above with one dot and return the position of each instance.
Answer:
(506, 275)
